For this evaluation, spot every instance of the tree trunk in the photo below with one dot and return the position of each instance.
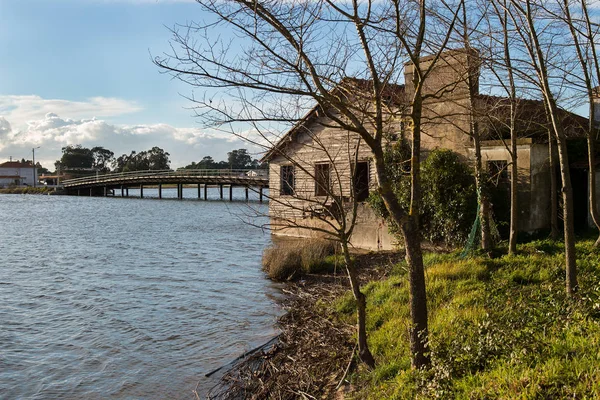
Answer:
(361, 309)
(484, 202)
(568, 220)
(554, 231)
(418, 298)
(514, 215)
(414, 259)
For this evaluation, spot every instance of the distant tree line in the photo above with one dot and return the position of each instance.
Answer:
(78, 158)
(236, 159)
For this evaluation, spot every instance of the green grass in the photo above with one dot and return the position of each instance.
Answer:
(500, 328)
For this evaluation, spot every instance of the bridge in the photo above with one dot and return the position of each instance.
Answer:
(109, 184)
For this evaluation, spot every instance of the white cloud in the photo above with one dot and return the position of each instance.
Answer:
(20, 110)
(5, 131)
(31, 121)
(52, 132)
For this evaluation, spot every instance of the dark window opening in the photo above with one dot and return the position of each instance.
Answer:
(498, 171)
(322, 179)
(361, 181)
(287, 180)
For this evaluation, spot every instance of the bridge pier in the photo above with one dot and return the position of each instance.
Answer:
(260, 194)
(122, 189)
(160, 190)
(205, 191)
(246, 193)
(221, 191)
(105, 191)
(91, 192)
(180, 191)
(127, 191)
(199, 191)
(141, 191)
(230, 192)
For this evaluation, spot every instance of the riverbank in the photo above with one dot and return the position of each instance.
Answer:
(27, 190)
(499, 328)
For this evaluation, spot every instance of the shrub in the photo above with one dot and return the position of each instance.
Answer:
(449, 202)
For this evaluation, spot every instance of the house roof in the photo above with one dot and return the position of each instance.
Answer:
(16, 164)
(532, 121)
(392, 94)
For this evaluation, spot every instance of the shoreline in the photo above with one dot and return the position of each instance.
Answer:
(314, 352)
(29, 190)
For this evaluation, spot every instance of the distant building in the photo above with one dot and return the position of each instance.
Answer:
(17, 173)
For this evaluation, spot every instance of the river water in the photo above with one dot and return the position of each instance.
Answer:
(127, 298)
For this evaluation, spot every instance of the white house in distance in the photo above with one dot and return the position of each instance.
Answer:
(17, 173)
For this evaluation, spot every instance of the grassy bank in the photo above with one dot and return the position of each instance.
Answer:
(26, 190)
(499, 328)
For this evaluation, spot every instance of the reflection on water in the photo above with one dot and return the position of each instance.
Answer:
(122, 298)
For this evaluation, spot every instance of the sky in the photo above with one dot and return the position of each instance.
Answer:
(80, 72)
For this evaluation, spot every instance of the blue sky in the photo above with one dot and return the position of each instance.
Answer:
(80, 72)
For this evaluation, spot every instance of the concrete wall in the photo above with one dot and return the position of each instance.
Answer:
(540, 201)
(370, 232)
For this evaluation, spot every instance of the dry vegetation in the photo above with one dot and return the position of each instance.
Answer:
(26, 190)
(289, 259)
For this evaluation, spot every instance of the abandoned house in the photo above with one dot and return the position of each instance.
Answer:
(315, 158)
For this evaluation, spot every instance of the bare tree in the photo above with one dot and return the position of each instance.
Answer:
(290, 56)
(471, 73)
(531, 28)
(583, 44)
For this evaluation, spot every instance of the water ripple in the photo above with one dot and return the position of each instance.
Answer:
(114, 298)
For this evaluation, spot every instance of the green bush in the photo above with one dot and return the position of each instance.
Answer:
(449, 201)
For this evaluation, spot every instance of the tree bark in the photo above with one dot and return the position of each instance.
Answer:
(484, 202)
(554, 231)
(568, 214)
(361, 309)
(514, 215)
(418, 298)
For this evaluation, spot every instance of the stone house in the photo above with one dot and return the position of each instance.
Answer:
(317, 153)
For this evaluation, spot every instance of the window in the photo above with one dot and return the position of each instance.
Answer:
(361, 181)
(287, 180)
(498, 170)
(322, 179)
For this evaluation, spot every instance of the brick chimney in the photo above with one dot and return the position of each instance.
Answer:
(449, 77)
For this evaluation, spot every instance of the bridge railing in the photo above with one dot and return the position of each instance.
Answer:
(251, 173)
